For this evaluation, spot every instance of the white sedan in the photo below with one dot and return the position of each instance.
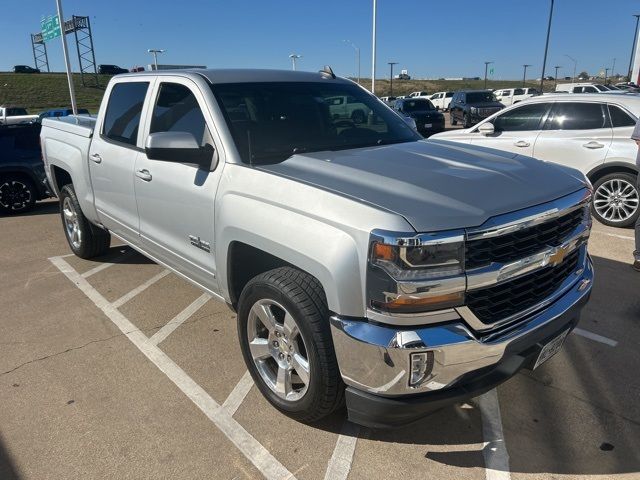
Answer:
(587, 132)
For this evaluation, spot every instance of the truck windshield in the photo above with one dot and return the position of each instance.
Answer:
(418, 106)
(272, 121)
(481, 97)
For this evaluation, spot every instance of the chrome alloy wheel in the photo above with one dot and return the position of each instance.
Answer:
(14, 195)
(71, 223)
(616, 200)
(278, 349)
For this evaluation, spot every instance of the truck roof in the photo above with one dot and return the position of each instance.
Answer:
(239, 75)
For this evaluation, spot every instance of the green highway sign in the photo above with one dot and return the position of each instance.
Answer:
(491, 72)
(50, 27)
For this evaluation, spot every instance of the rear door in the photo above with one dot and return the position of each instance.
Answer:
(623, 148)
(576, 134)
(114, 149)
(516, 129)
(176, 200)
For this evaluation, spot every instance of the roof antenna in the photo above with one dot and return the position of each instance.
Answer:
(327, 69)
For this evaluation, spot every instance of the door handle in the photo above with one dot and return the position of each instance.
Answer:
(593, 145)
(96, 157)
(144, 175)
(522, 144)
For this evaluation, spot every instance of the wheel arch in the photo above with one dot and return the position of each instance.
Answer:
(611, 167)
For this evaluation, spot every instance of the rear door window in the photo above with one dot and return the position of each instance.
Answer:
(577, 116)
(620, 118)
(122, 119)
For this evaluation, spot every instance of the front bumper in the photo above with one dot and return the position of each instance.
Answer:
(375, 359)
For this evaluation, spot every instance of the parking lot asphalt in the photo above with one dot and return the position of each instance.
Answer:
(116, 368)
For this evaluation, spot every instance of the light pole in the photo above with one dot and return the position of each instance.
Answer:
(613, 68)
(546, 48)
(72, 88)
(555, 78)
(606, 71)
(349, 42)
(294, 57)
(633, 47)
(524, 75)
(486, 66)
(155, 52)
(373, 49)
(391, 64)
(575, 64)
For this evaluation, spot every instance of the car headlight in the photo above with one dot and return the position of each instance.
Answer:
(474, 110)
(419, 273)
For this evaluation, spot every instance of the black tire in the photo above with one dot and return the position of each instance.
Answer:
(17, 194)
(466, 121)
(92, 241)
(624, 178)
(358, 116)
(453, 119)
(303, 297)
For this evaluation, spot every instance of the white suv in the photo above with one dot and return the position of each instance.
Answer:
(509, 96)
(588, 132)
(441, 100)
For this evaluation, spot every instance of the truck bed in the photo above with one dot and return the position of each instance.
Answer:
(76, 124)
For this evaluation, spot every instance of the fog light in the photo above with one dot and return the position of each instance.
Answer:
(421, 367)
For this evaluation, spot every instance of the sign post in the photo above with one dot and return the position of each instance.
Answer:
(52, 27)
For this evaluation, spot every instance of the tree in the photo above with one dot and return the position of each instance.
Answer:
(583, 75)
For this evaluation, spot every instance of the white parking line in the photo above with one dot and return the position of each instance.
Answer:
(595, 337)
(496, 457)
(176, 321)
(238, 394)
(340, 463)
(136, 291)
(615, 235)
(97, 269)
(266, 463)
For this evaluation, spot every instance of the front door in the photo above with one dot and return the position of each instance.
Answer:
(176, 200)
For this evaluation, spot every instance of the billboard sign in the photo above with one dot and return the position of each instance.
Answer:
(50, 27)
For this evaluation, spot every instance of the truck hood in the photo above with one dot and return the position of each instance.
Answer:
(434, 185)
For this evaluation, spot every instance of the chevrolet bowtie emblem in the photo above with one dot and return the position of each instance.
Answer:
(557, 257)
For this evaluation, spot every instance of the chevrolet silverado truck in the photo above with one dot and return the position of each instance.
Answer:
(365, 264)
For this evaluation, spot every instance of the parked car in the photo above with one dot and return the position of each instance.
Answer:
(13, 115)
(388, 100)
(22, 176)
(587, 132)
(360, 259)
(403, 76)
(348, 108)
(137, 69)
(472, 106)
(509, 96)
(25, 69)
(111, 69)
(441, 100)
(422, 93)
(60, 112)
(427, 119)
(582, 88)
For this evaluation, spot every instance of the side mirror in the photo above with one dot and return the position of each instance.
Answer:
(486, 128)
(178, 147)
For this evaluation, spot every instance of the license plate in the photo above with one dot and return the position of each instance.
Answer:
(428, 125)
(550, 349)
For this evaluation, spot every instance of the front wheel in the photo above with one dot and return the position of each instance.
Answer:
(283, 328)
(616, 200)
(453, 119)
(85, 240)
(17, 194)
(466, 121)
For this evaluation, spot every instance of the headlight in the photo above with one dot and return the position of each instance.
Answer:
(474, 110)
(410, 274)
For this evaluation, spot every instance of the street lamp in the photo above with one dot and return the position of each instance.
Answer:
(486, 66)
(575, 64)
(349, 42)
(293, 58)
(546, 48)
(633, 47)
(555, 78)
(391, 64)
(524, 75)
(155, 52)
(373, 49)
(606, 71)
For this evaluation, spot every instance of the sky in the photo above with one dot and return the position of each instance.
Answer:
(431, 39)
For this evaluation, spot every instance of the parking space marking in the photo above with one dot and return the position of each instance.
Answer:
(179, 319)
(97, 269)
(616, 235)
(496, 457)
(595, 337)
(255, 452)
(340, 463)
(238, 394)
(138, 290)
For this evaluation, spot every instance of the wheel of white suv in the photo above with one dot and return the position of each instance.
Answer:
(616, 200)
(85, 240)
(17, 194)
(283, 328)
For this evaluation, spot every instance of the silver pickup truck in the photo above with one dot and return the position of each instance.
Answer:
(363, 262)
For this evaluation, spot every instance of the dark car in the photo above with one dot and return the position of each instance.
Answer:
(22, 176)
(428, 119)
(111, 69)
(472, 106)
(61, 112)
(25, 69)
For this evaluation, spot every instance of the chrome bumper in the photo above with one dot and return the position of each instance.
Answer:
(376, 358)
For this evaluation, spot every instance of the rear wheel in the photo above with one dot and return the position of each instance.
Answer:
(453, 119)
(616, 200)
(358, 116)
(17, 194)
(283, 328)
(84, 239)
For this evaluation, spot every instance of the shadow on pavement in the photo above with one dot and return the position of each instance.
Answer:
(47, 207)
(7, 469)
